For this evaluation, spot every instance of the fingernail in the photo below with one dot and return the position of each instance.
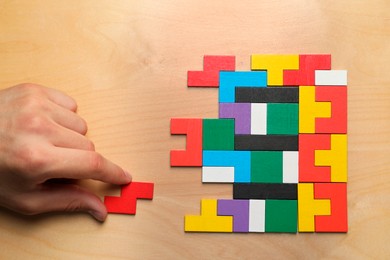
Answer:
(128, 175)
(98, 215)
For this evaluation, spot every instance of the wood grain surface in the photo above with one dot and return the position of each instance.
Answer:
(125, 62)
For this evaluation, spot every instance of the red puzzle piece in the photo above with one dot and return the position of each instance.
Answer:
(308, 172)
(307, 65)
(212, 65)
(338, 220)
(337, 123)
(192, 156)
(127, 202)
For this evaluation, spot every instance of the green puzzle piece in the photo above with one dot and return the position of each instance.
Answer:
(281, 216)
(282, 118)
(218, 134)
(267, 167)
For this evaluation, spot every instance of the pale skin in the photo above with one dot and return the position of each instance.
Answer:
(43, 139)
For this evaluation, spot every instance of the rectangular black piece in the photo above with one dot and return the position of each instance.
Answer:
(280, 191)
(266, 142)
(267, 95)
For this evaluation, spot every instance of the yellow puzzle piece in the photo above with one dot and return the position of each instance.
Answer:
(274, 64)
(336, 158)
(309, 109)
(208, 221)
(308, 207)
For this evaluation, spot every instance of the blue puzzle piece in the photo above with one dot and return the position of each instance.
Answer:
(240, 160)
(229, 80)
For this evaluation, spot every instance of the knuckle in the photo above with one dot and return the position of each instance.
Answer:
(36, 124)
(74, 205)
(30, 160)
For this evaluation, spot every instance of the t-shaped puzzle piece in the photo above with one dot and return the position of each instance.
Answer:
(127, 202)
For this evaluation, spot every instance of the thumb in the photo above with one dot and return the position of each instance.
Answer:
(67, 198)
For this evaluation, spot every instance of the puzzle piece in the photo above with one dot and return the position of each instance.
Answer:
(310, 110)
(267, 167)
(258, 119)
(239, 209)
(281, 216)
(256, 215)
(278, 191)
(218, 134)
(274, 65)
(127, 202)
(208, 221)
(212, 65)
(331, 78)
(240, 160)
(267, 95)
(230, 80)
(290, 167)
(308, 144)
(240, 112)
(266, 142)
(337, 96)
(218, 174)
(308, 64)
(308, 207)
(192, 156)
(335, 157)
(338, 220)
(282, 118)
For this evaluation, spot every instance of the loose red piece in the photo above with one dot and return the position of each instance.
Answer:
(127, 202)
(212, 65)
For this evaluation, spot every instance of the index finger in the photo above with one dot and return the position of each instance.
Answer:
(82, 164)
(61, 98)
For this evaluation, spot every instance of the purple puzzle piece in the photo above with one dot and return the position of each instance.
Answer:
(241, 112)
(239, 209)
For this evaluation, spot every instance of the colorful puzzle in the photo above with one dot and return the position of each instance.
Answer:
(280, 139)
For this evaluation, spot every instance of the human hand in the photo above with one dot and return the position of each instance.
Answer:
(41, 139)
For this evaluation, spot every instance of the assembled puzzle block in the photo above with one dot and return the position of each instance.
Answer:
(305, 75)
(230, 80)
(217, 174)
(239, 209)
(308, 171)
(335, 157)
(218, 134)
(240, 112)
(240, 160)
(308, 207)
(338, 220)
(127, 202)
(267, 167)
(256, 215)
(310, 110)
(331, 78)
(212, 65)
(281, 216)
(274, 65)
(337, 123)
(192, 156)
(208, 221)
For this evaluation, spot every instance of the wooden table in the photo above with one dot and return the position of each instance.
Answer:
(125, 62)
